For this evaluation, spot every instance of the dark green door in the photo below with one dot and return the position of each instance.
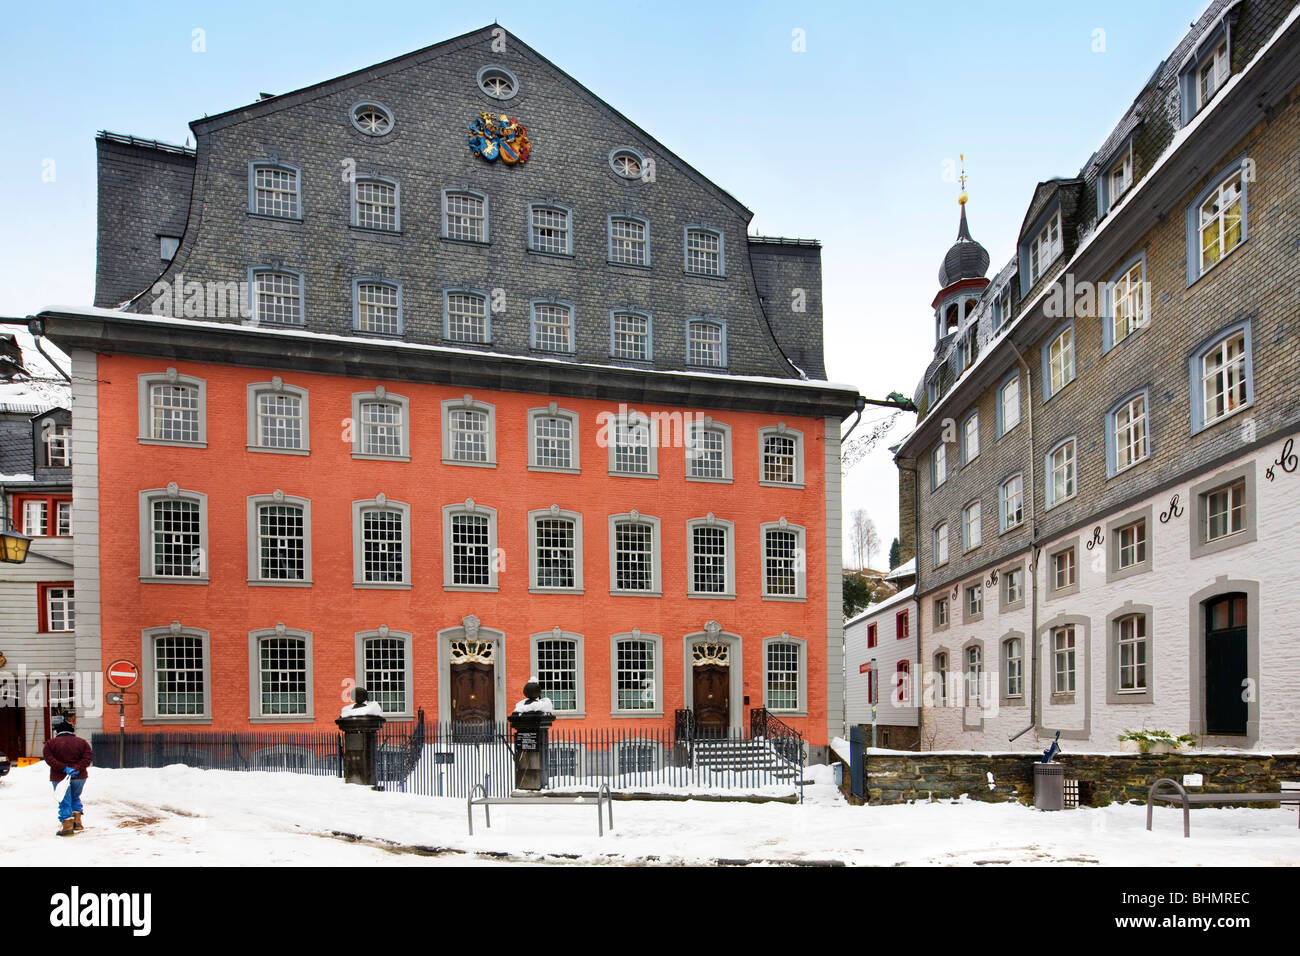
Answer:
(1226, 707)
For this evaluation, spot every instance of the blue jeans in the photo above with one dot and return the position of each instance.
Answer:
(71, 802)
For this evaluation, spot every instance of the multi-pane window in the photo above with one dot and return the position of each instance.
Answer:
(1128, 304)
(1212, 73)
(555, 552)
(782, 691)
(283, 669)
(60, 609)
(384, 671)
(633, 556)
(1044, 248)
(627, 241)
(63, 518)
(971, 445)
(381, 428)
(43, 517)
(278, 298)
(780, 562)
(552, 327)
(1012, 495)
(557, 672)
(706, 344)
(706, 453)
(275, 192)
(548, 229)
(1132, 544)
(941, 677)
(703, 252)
(176, 525)
(975, 600)
(1131, 649)
(36, 518)
(58, 446)
(971, 532)
(178, 676)
(780, 459)
(1223, 378)
(279, 420)
(553, 441)
(630, 336)
(375, 205)
(939, 465)
(1014, 585)
(1063, 659)
(1131, 432)
(383, 535)
(1220, 221)
(941, 612)
(1060, 360)
(468, 434)
(974, 673)
(708, 559)
(635, 675)
(1009, 402)
(471, 552)
(872, 634)
(1063, 472)
(467, 319)
(1225, 511)
(464, 217)
(281, 542)
(379, 308)
(632, 447)
(1013, 666)
(1120, 176)
(174, 412)
(1063, 569)
(941, 544)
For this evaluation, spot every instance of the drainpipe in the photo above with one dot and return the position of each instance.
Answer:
(916, 588)
(1033, 540)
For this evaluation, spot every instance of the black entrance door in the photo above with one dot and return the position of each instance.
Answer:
(1226, 707)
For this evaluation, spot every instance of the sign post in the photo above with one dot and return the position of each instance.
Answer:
(122, 674)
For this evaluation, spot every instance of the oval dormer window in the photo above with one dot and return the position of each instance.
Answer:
(498, 82)
(372, 119)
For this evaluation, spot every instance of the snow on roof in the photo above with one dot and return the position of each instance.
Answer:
(889, 602)
(904, 570)
(42, 387)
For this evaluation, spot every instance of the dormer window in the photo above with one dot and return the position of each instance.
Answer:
(1212, 73)
(1045, 248)
(1206, 71)
(58, 445)
(1115, 179)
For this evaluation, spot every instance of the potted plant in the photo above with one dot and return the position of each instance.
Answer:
(1154, 741)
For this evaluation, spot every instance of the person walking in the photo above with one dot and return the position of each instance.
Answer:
(69, 758)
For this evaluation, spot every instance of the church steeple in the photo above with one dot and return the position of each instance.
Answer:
(966, 259)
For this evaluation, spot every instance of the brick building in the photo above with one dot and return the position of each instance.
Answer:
(1098, 491)
(363, 404)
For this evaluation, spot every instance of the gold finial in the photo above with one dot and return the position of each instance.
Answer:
(963, 197)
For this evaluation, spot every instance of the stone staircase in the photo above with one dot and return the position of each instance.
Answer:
(755, 755)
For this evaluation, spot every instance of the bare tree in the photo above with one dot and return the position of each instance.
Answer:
(873, 540)
(859, 524)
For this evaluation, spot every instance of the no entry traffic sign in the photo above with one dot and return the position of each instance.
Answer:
(123, 674)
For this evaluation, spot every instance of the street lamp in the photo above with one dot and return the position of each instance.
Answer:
(13, 547)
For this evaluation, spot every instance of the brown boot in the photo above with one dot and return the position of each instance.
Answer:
(76, 822)
(67, 830)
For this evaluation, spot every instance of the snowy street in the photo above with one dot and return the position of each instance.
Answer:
(185, 816)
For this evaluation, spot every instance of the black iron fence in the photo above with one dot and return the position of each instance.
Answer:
(314, 752)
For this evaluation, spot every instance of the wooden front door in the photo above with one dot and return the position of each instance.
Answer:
(13, 743)
(1226, 670)
(473, 693)
(712, 698)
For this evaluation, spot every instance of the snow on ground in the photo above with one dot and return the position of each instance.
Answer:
(184, 816)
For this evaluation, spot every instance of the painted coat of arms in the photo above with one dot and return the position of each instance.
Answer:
(499, 136)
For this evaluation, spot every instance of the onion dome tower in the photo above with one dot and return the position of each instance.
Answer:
(962, 276)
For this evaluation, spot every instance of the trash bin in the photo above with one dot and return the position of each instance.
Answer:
(1049, 786)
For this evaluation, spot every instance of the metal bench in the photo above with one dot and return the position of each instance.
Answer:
(1181, 797)
(604, 801)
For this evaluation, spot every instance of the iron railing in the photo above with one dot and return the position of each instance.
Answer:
(313, 752)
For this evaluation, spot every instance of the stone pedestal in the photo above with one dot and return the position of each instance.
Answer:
(360, 745)
(531, 732)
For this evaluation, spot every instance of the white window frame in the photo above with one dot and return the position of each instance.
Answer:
(612, 423)
(68, 594)
(701, 229)
(970, 437)
(1014, 691)
(782, 430)
(1063, 461)
(939, 544)
(1004, 408)
(554, 512)
(171, 377)
(1045, 248)
(644, 223)
(972, 535)
(380, 394)
(255, 297)
(550, 207)
(1125, 297)
(553, 410)
(383, 633)
(388, 284)
(938, 466)
(579, 667)
(657, 670)
(172, 493)
(1058, 361)
(255, 641)
(1121, 439)
(614, 315)
(1244, 362)
(532, 325)
(479, 294)
(699, 322)
(278, 166)
(695, 427)
(800, 560)
(1065, 660)
(449, 514)
(379, 503)
(464, 191)
(801, 675)
(656, 555)
(254, 539)
(149, 676)
(1133, 640)
(1005, 523)
(397, 203)
(467, 402)
(729, 538)
(276, 386)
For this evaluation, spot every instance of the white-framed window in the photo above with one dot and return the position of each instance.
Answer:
(469, 432)
(1128, 305)
(1008, 406)
(177, 675)
(277, 417)
(465, 316)
(1132, 653)
(557, 663)
(1119, 177)
(941, 612)
(1212, 71)
(1225, 511)
(552, 326)
(555, 550)
(629, 240)
(373, 119)
(498, 82)
(1128, 441)
(780, 456)
(279, 539)
(1002, 309)
(1058, 359)
(380, 425)
(173, 409)
(1221, 217)
(381, 543)
(1013, 586)
(549, 229)
(636, 673)
(630, 335)
(275, 190)
(384, 667)
(60, 609)
(553, 439)
(974, 673)
(1063, 570)
(784, 560)
(375, 205)
(1044, 248)
(1131, 549)
(627, 162)
(281, 672)
(377, 306)
(708, 450)
(632, 443)
(1222, 378)
(971, 526)
(971, 438)
(465, 215)
(36, 517)
(1062, 472)
(469, 547)
(703, 252)
(1011, 501)
(58, 445)
(784, 675)
(938, 465)
(974, 600)
(941, 544)
(173, 535)
(706, 343)
(277, 297)
(634, 555)
(1013, 667)
(941, 678)
(1063, 659)
(711, 558)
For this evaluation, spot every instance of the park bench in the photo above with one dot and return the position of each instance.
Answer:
(1180, 797)
(603, 801)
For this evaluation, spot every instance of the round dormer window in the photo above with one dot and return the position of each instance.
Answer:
(372, 119)
(628, 163)
(498, 82)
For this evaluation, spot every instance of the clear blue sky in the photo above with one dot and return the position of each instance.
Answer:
(846, 142)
